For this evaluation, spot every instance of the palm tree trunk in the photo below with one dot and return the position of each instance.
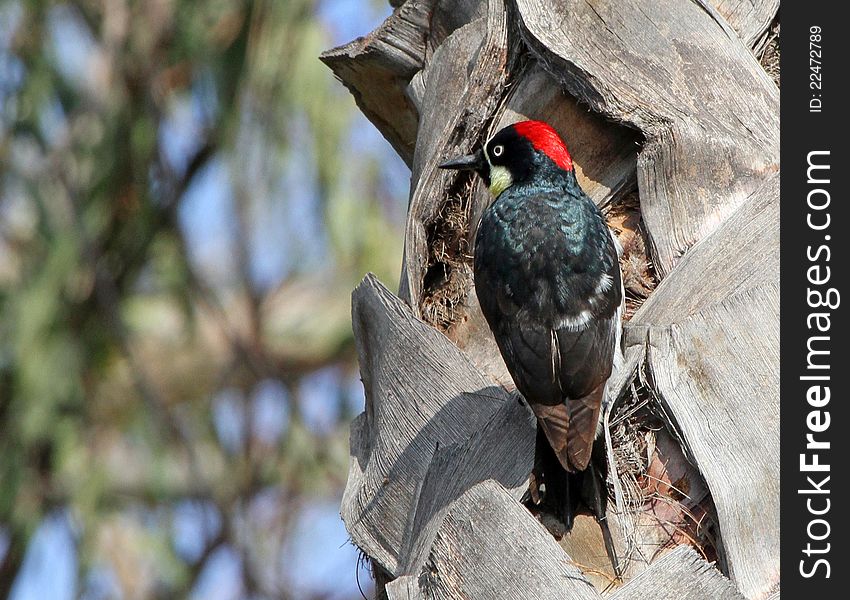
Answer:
(673, 125)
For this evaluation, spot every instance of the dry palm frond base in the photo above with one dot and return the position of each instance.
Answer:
(665, 496)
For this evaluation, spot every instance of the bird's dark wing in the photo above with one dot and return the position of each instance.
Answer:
(585, 359)
(548, 282)
(562, 374)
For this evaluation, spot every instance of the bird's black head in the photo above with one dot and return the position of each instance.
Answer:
(515, 155)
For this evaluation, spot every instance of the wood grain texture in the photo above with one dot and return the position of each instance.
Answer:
(422, 394)
(405, 587)
(463, 85)
(749, 18)
(502, 450)
(711, 329)
(377, 69)
(741, 255)
(489, 546)
(680, 575)
(678, 73)
(717, 373)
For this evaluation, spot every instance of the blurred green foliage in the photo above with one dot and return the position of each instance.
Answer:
(118, 340)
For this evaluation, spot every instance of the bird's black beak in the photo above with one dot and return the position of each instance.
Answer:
(473, 162)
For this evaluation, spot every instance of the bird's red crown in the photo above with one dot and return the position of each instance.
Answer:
(544, 138)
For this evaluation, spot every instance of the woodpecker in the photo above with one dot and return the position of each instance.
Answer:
(547, 276)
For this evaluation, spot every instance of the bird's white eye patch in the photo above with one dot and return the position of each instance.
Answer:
(498, 150)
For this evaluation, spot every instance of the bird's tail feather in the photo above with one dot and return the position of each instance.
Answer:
(594, 494)
(567, 494)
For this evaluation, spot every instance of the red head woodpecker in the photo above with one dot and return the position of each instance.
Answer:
(547, 276)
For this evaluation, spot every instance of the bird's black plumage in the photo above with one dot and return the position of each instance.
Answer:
(548, 280)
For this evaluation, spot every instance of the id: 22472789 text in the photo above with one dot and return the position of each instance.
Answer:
(815, 66)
